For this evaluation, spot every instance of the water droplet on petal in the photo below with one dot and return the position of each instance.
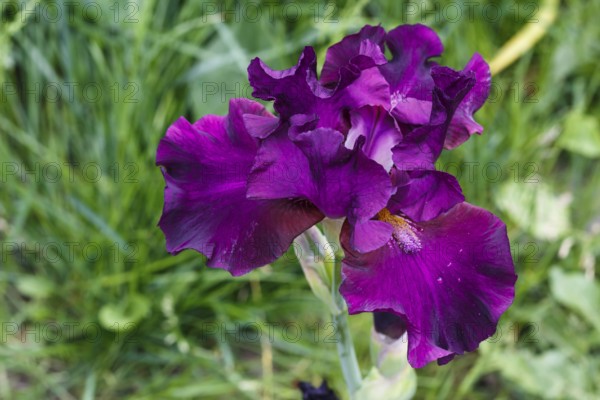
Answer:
(459, 279)
(439, 279)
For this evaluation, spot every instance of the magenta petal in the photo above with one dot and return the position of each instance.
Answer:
(289, 88)
(317, 167)
(421, 147)
(409, 71)
(450, 289)
(259, 126)
(369, 89)
(463, 125)
(239, 132)
(205, 167)
(368, 43)
(425, 194)
(297, 90)
(409, 110)
(380, 131)
(370, 235)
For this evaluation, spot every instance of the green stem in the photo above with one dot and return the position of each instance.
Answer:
(321, 271)
(347, 355)
(344, 344)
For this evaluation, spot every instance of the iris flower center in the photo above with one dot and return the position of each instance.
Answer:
(404, 231)
(396, 98)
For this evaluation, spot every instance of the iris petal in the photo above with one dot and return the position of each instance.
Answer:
(423, 195)
(205, 167)
(316, 166)
(463, 124)
(297, 90)
(380, 131)
(422, 146)
(450, 293)
(285, 87)
(367, 43)
(409, 74)
(409, 70)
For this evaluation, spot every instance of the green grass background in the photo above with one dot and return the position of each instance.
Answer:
(156, 60)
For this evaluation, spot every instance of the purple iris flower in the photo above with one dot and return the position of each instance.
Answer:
(359, 142)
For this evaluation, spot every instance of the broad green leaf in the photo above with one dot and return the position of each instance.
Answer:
(124, 315)
(536, 209)
(550, 375)
(35, 286)
(577, 292)
(581, 134)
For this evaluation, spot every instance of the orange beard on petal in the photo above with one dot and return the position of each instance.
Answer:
(404, 231)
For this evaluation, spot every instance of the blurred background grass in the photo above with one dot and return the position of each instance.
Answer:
(94, 308)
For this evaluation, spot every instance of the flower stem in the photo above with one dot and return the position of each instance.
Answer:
(320, 264)
(344, 344)
(347, 355)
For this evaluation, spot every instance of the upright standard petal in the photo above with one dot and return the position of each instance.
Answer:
(409, 75)
(449, 279)
(409, 70)
(286, 87)
(360, 50)
(205, 166)
(421, 147)
(463, 124)
(297, 90)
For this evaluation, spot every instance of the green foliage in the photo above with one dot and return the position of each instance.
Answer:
(92, 305)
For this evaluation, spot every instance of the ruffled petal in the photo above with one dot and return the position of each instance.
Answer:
(286, 87)
(421, 147)
(409, 74)
(361, 50)
(205, 166)
(423, 195)
(297, 90)
(316, 166)
(463, 124)
(380, 131)
(449, 279)
(409, 70)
